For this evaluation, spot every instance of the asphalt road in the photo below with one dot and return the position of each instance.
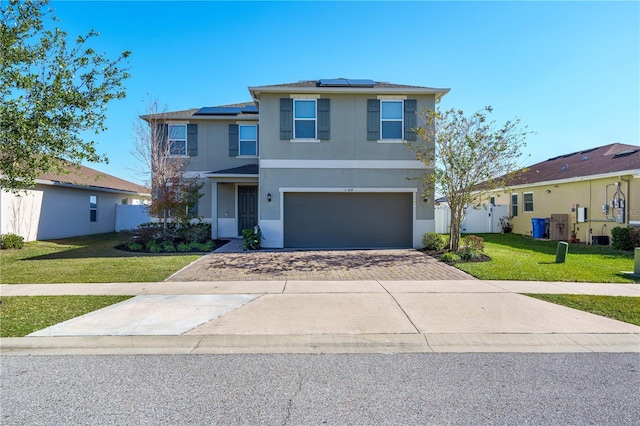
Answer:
(321, 389)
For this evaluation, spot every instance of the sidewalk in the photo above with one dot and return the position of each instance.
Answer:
(328, 317)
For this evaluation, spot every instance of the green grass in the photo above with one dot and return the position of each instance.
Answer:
(21, 315)
(517, 257)
(87, 259)
(622, 308)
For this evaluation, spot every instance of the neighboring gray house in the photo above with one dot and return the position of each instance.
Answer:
(316, 164)
(82, 202)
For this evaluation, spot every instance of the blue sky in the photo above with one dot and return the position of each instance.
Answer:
(568, 70)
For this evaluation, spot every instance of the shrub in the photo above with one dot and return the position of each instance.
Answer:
(450, 257)
(11, 241)
(621, 238)
(468, 253)
(474, 243)
(433, 241)
(206, 246)
(196, 232)
(154, 247)
(147, 232)
(251, 238)
(183, 247)
(168, 247)
(135, 246)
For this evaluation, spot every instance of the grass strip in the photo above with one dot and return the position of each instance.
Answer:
(21, 315)
(522, 258)
(90, 259)
(621, 308)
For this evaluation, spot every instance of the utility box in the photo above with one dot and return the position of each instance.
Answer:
(600, 240)
(582, 214)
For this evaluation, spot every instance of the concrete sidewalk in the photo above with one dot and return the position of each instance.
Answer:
(329, 316)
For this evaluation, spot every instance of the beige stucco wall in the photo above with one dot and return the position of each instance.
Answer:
(562, 197)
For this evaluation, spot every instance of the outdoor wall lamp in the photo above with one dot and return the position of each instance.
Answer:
(269, 197)
(548, 191)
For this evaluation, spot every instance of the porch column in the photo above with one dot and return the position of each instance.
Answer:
(214, 209)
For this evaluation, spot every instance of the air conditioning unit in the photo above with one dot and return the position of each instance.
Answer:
(600, 240)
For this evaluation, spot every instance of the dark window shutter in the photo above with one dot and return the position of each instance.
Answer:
(373, 119)
(192, 140)
(410, 119)
(258, 140)
(162, 133)
(324, 119)
(286, 118)
(234, 139)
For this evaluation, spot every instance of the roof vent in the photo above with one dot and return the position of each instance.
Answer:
(584, 158)
(565, 167)
(568, 155)
(626, 153)
(554, 158)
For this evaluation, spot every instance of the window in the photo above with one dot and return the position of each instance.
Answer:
(527, 199)
(178, 139)
(248, 141)
(304, 117)
(514, 205)
(391, 119)
(93, 208)
(492, 200)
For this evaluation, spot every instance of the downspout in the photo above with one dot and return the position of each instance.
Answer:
(627, 201)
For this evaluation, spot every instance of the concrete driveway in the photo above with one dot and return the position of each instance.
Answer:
(320, 265)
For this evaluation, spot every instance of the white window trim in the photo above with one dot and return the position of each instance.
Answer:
(517, 205)
(524, 203)
(186, 147)
(315, 120)
(401, 140)
(247, 140)
(92, 209)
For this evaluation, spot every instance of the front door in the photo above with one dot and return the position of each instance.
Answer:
(247, 207)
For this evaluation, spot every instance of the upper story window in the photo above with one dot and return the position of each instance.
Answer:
(304, 117)
(178, 139)
(391, 120)
(248, 140)
(527, 200)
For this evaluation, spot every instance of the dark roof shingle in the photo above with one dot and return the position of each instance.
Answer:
(86, 176)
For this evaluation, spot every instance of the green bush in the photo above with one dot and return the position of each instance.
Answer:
(251, 238)
(621, 238)
(206, 246)
(135, 246)
(433, 241)
(154, 247)
(184, 247)
(196, 232)
(11, 241)
(468, 253)
(473, 243)
(450, 257)
(168, 247)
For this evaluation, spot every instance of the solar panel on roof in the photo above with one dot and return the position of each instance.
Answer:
(343, 82)
(586, 151)
(361, 83)
(249, 109)
(625, 153)
(218, 111)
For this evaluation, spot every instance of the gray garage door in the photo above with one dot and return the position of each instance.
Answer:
(348, 220)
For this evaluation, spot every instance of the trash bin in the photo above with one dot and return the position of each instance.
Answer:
(539, 226)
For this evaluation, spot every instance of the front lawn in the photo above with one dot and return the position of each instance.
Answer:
(517, 257)
(621, 308)
(22, 315)
(90, 259)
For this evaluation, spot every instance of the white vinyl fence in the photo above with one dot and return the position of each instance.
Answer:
(129, 216)
(478, 220)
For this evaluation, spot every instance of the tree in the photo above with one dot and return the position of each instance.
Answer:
(173, 193)
(466, 157)
(51, 91)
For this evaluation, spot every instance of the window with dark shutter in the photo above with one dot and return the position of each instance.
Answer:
(373, 119)
(410, 119)
(286, 118)
(233, 140)
(192, 140)
(324, 119)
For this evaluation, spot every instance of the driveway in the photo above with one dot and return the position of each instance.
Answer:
(325, 265)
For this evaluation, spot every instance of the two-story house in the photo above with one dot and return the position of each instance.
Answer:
(316, 164)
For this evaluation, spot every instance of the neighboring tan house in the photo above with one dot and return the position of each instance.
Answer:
(82, 202)
(582, 195)
(316, 164)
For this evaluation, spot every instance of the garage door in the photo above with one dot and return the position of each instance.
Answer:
(348, 220)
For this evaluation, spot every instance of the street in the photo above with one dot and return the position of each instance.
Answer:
(289, 389)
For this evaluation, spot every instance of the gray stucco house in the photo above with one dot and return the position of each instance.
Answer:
(316, 164)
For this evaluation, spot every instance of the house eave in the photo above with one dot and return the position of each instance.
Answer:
(89, 187)
(623, 173)
(439, 93)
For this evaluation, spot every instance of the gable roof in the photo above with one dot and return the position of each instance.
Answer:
(242, 109)
(342, 85)
(91, 178)
(602, 160)
(247, 169)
